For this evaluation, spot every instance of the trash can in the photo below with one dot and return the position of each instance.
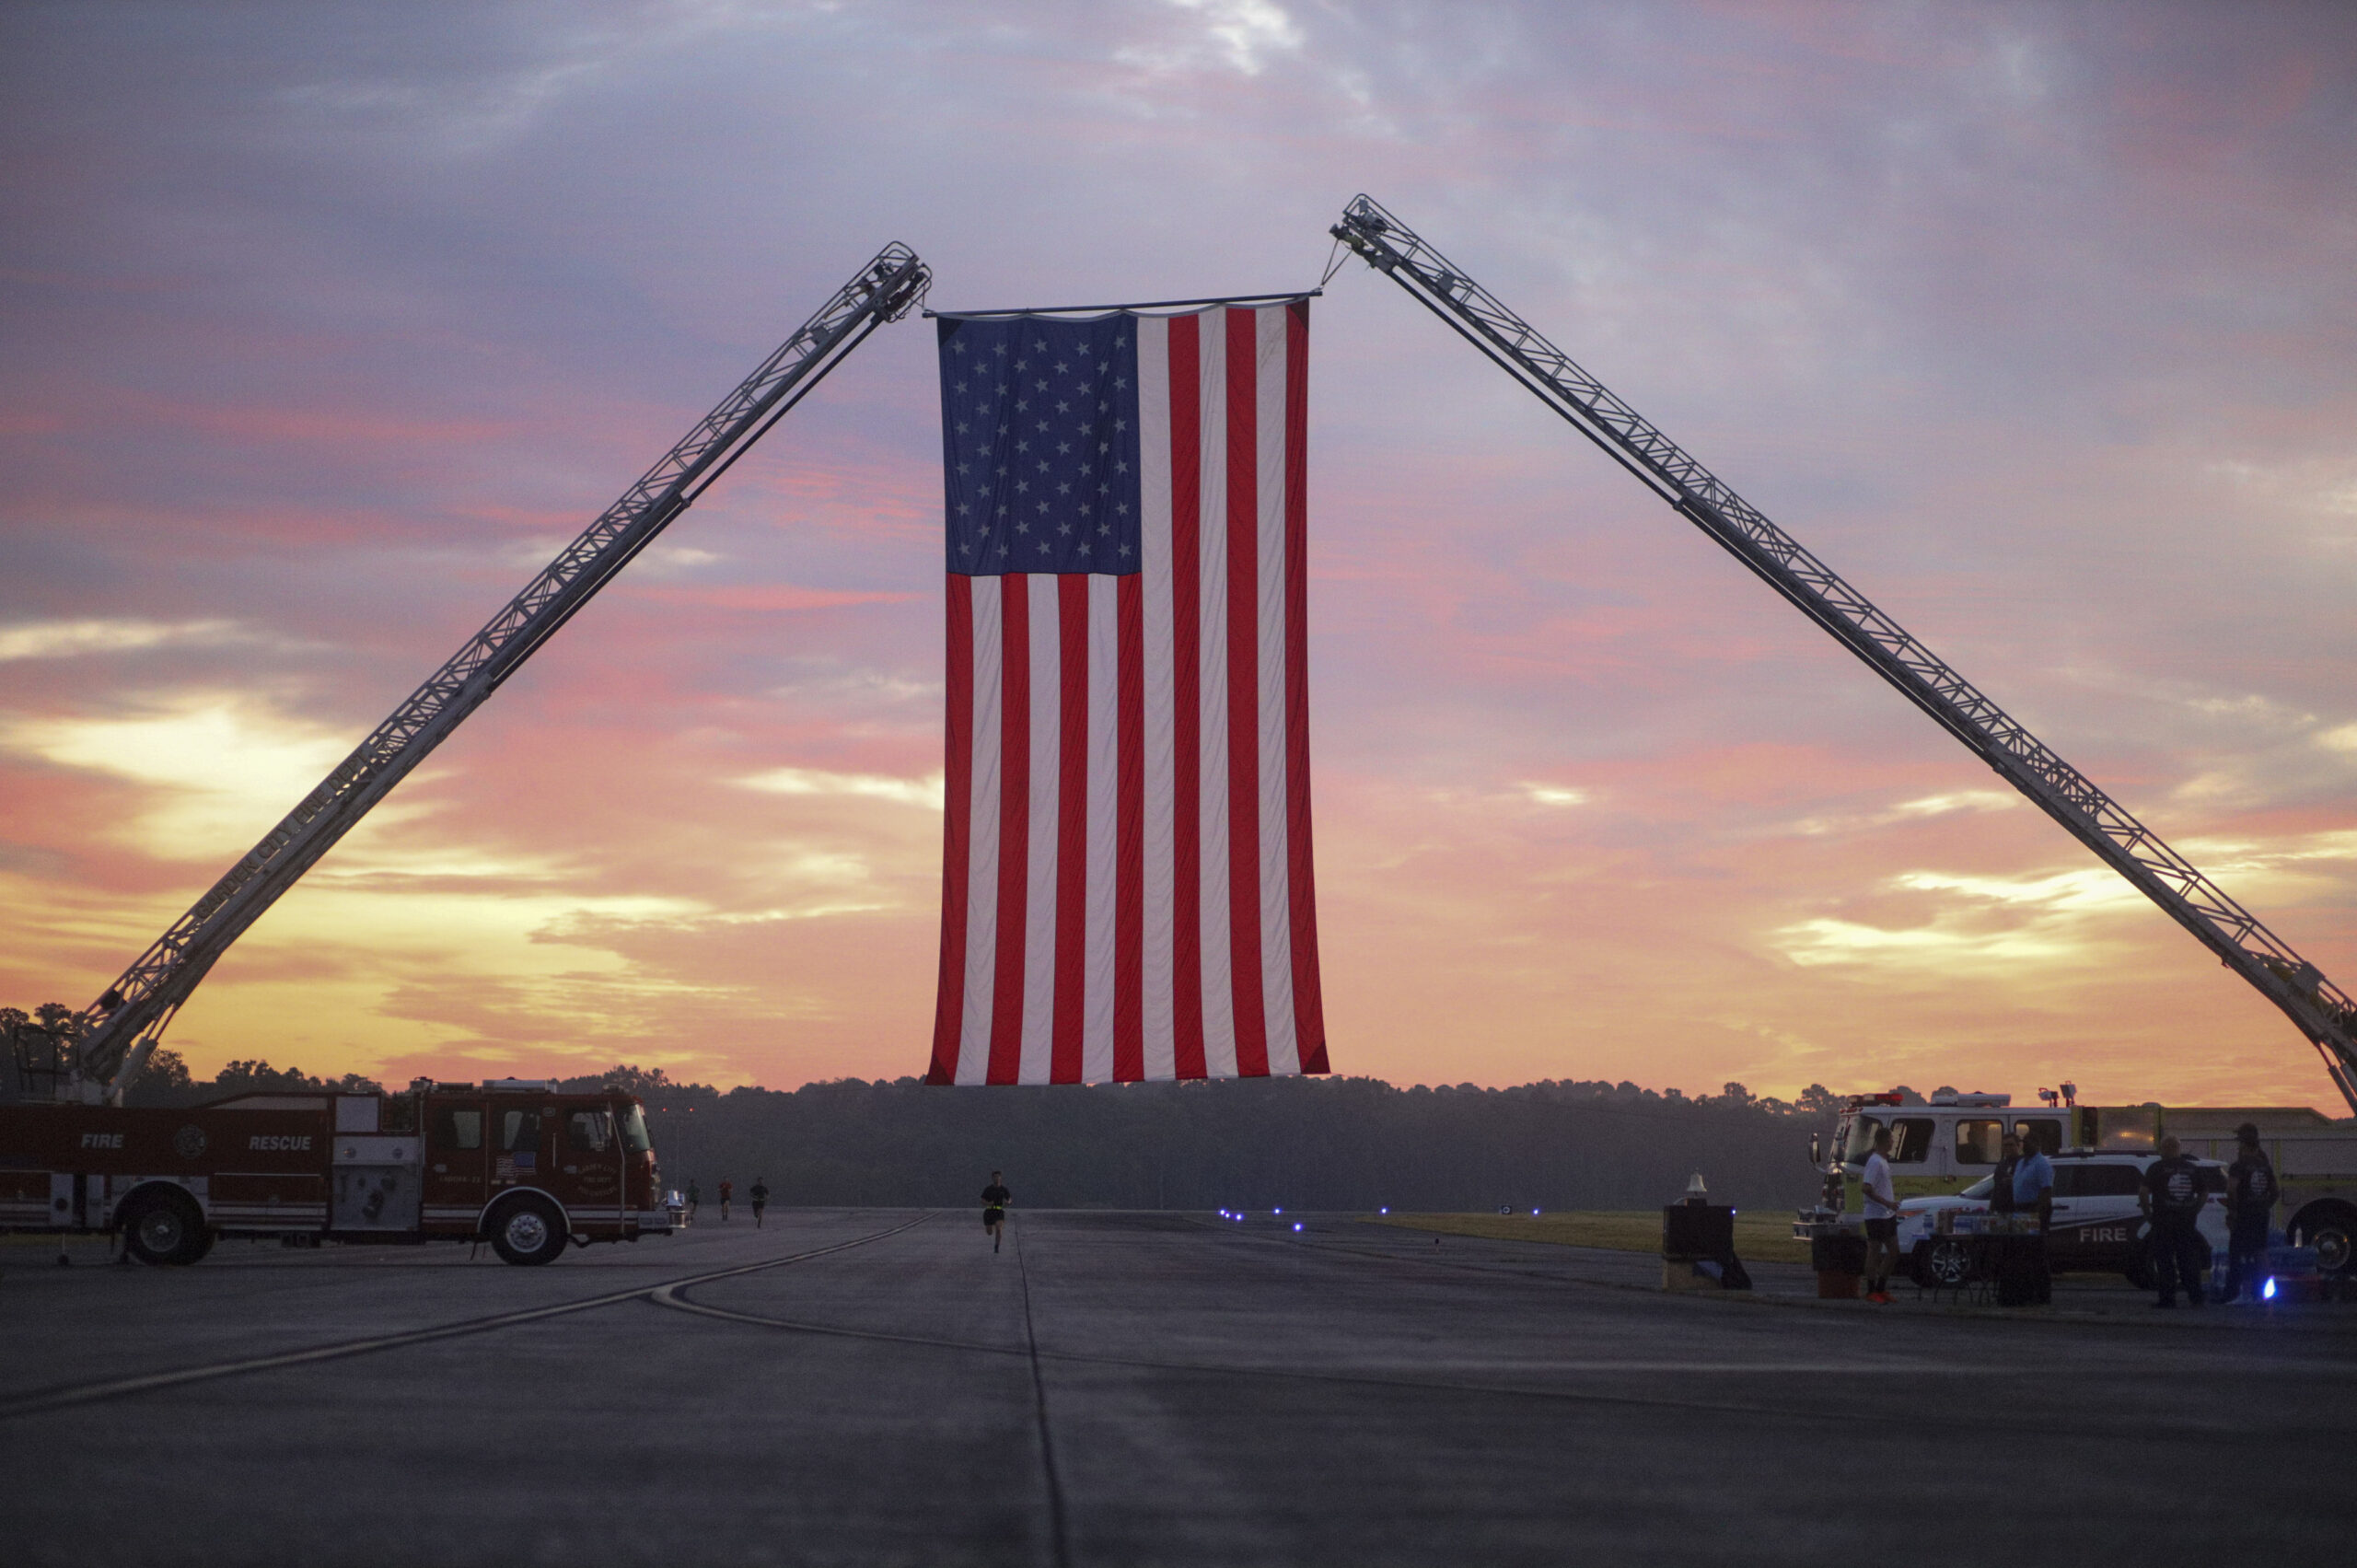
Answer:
(1840, 1260)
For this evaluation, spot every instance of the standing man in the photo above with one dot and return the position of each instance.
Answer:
(760, 1196)
(1882, 1219)
(2171, 1199)
(995, 1196)
(694, 1197)
(2250, 1206)
(725, 1188)
(2033, 1184)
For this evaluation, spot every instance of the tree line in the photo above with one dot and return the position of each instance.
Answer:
(1349, 1144)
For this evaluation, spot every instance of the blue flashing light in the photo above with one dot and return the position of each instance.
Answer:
(1276, 1211)
(1296, 1224)
(2267, 1291)
(1383, 1211)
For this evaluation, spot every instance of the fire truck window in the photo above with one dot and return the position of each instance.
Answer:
(1862, 1140)
(1911, 1140)
(635, 1136)
(586, 1130)
(2044, 1136)
(456, 1129)
(1977, 1142)
(520, 1130)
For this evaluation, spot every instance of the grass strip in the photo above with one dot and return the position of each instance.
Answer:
(1763, 1237)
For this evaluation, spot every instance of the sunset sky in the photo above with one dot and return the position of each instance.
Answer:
(323, 327)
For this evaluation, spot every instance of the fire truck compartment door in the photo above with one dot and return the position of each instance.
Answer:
(377, 1183)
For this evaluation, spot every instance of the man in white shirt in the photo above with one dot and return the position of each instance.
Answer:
(1882, 1219)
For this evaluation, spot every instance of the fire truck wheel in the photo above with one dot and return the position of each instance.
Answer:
(165, 1228)
(528, 1230)
(2331, 1229)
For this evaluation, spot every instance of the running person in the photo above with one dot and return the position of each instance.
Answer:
(725, 1188)
(694, 1197)
(760, 1196)
(995, 1198)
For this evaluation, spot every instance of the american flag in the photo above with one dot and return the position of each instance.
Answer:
(1126, 889)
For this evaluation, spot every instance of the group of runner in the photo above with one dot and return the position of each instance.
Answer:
(759, 1192)
(995, 1198)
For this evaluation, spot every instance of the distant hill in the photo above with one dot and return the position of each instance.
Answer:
(1294, 1143)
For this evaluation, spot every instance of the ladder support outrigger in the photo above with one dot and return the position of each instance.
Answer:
(2321, 1010)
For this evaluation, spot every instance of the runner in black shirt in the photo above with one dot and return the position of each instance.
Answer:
(994, 1201)
(760, 1196)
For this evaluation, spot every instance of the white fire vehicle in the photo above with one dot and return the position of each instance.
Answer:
(511, 1161)
(1941, 1150)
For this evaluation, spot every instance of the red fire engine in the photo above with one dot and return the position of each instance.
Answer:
(512, 1161)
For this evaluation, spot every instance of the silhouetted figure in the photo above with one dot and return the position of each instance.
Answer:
(2251, 1209)
(995, 1196)
(724, 1190)
(759, 1194)
(2171, 1198)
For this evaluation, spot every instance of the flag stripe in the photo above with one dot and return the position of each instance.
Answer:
(1158, 883)
(1301, 886)
(1013, 828)
(1129, 869)
(1186, 699)
(1071, 830)
(1102, 828)
(950, 1004)
(1126, 889)
(982, 882)
(1043, 618)
(1273, 906)
(1243, 569)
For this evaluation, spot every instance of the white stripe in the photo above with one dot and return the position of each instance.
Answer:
(1047, 769)
(1104, 807)
(1219, 996)
(1276, 910)
(981, 878)
(1160, 841)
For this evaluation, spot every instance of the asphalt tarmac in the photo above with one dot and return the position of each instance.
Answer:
(877, 1387)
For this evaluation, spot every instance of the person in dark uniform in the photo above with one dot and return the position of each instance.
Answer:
(725, 1188)
(694, 1197)
(995, 1198)
(2171, 1199)
(2250, 1207)
(2033, 1182)
(760, 1196)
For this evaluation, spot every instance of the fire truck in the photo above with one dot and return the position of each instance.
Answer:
(1942, 1148)
(512, 1161)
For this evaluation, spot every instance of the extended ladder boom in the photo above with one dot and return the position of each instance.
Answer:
(121, 1028)
(2322, 1010)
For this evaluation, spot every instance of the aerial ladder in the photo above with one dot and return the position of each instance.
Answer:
(96, 1058)
(2321, 1010)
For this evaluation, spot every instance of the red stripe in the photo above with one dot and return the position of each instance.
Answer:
(1244, 695)
(1072, 830)
(1013, 827)
(1129, 840)
(1308, 1008)
(1185, 614)
(957, 851)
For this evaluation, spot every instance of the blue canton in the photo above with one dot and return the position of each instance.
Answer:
(1039, 444)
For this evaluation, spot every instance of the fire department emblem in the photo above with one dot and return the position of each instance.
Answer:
(189, 1142)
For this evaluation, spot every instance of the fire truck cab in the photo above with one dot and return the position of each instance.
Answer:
(514, 1162)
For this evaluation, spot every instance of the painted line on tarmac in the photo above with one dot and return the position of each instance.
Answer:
(119, 1388)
